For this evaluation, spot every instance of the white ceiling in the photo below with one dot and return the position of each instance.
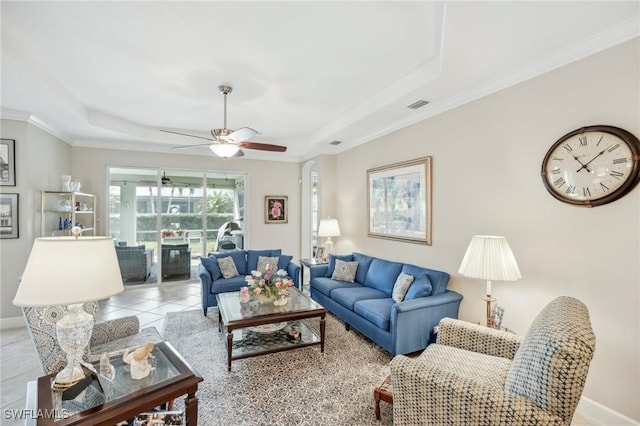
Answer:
(112, 74)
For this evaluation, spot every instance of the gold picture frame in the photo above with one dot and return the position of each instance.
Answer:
(399, 201)
(276, 209)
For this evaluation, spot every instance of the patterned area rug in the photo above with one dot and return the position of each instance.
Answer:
(296, 387)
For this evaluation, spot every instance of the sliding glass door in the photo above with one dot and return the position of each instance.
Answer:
(174, 216)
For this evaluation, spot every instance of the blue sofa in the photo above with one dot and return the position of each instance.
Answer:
(367, 303)
(246, 261)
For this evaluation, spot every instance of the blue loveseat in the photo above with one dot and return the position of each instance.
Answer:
(367, 303)
(246, 261)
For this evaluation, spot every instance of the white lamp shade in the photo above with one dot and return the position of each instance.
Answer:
(68, 270)
(490, 258)
(329, 228)
(224, 150)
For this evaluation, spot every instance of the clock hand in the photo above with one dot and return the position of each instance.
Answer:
(589, 162)
(584, 166)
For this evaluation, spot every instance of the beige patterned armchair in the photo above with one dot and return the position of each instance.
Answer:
(482, 376)
(107, 336)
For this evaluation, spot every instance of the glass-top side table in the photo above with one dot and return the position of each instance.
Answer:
(123, 397)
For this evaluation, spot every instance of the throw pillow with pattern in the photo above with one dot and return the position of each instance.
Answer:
(401, 286)
(345, 271)
(227, 267)
(263, 261)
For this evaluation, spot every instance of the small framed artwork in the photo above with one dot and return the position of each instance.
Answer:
(7, 162)
(276, 209)
(320, 254)
(9, 216)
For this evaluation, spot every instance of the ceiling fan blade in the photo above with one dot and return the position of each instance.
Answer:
(238, 154)
(190, 146)
(243, 134)
(262, 146)
(186, 134)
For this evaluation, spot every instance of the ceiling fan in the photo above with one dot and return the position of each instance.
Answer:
(164, 179)
(225, 142)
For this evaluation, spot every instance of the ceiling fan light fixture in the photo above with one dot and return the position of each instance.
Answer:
(224, 150)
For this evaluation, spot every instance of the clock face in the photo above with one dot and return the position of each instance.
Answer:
(592, 166)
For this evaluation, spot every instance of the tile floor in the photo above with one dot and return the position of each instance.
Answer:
(19, 362)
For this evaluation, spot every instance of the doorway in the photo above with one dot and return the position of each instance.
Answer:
(164, 220)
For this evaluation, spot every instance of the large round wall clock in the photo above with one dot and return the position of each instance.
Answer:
(592, 166)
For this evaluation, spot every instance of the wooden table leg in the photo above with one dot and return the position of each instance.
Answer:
(376, 398)
(219, 321)
(322, 328)
(191, 407)
(229, 348)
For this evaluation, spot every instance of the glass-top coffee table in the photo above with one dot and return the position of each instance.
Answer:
(263, 328)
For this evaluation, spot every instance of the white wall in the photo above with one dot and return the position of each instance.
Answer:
(41, 160)
(487, 157)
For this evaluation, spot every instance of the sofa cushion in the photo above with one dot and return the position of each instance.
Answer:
(271, 262)
(252, 257)
(332, 262)
(348, 296)
(401, 286)
(211, 265)
(239, 258)
(377, 311)
(227, 267)
(382, 275)
(345, 271)
(421, 286)
(327, 285)
(364, 262)
(225, 285)
(283, 262)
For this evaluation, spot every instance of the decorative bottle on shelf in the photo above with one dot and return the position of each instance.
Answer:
(60, 224)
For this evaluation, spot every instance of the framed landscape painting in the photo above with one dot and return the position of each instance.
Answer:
(276, 209)
(399, 201)
(9, 216)
(7, 162)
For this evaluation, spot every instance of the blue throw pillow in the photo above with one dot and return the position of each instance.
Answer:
(211, 265)
(420, 287)
(238, 258)
(332, 262)
(283, 261)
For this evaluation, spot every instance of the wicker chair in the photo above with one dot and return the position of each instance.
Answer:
(135, 262)
(107, 336)
(176, 260)
(483, 376)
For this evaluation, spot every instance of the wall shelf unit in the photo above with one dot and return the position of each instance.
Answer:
(72, 208)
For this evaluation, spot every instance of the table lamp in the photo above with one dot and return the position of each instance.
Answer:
(489, 258)
(328, 228)
(70, 271)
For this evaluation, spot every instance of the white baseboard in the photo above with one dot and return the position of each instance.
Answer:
(598, 414)
(14, 322)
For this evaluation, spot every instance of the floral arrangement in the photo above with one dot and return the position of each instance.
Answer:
(168, 233)
(269, 284)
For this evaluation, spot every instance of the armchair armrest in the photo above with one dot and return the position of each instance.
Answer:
(425, 394)
(114, 329)
(478, 338)
(317, 271)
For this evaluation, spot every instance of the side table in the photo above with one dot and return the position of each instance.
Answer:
(308, 263)
(382, 392)
(124, 398)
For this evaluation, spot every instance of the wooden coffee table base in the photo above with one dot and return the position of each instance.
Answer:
(383, 392)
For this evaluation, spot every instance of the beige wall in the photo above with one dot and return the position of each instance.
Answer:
(486, 180)
(41, 160)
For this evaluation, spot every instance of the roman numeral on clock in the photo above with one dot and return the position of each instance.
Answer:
(559, 182)
(583, 140)
(616, 174)
(571, 190)
(613, 148)
(586, 192)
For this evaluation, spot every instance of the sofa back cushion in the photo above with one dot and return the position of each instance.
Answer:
(364, 262)
(239, 258)
(253, 255)
(551, 365)
(382, 275)
(332, 262)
